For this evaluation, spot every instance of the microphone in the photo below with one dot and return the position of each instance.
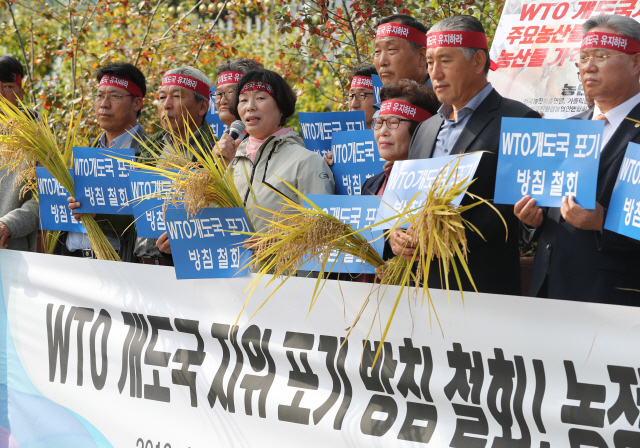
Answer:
(236, 129)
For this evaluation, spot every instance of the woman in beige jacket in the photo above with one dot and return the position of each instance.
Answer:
(272, 153)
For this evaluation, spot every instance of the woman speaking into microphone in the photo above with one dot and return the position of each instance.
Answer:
(273, 153)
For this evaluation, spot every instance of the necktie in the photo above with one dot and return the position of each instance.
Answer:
(602, 117)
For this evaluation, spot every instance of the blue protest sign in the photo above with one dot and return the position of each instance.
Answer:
(318, 127)
(359, 212)
(148, 212)
(101, 182)
(356, 159)
(212, 117)
(377, 85)
(54, 208)
(409, 177)
(207, 245)
(623, 216)
(548, 159)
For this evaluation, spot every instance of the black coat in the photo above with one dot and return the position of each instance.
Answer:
(587, 265)
(495, 263)
(373, 184)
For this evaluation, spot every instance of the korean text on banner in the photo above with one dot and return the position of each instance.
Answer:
(208, 244)
(377, 86)
(623, 215)
(212, 117)
(90, 363)
(412, 176)
(356, 159)
(54, 208)
(536, 46)
(318, 127)
(548, 159)
(102, 182)
(359, 212)
(148, 212)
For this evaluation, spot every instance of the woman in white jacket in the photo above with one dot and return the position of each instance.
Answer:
(272, 152)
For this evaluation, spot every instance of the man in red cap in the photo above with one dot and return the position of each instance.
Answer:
(468, 121)
(576, 258)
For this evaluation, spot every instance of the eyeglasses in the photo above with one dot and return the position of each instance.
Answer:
(392, 123)
(219, 95)
(111, 97)
(599, 60)
(360, 96)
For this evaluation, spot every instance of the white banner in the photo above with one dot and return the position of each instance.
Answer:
(537, 45)
(105, 354)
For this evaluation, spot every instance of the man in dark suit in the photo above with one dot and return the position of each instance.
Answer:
(469, 121)
(576, 258)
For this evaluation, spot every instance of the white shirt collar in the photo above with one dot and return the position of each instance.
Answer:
(618, 113)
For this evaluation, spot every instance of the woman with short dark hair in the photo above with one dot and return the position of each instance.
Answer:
(273, 154)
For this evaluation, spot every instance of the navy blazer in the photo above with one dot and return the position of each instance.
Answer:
(494, 262)
(587, 265)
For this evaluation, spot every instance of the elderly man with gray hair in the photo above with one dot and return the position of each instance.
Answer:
(576, 258)
(183, 102)
(469, 121)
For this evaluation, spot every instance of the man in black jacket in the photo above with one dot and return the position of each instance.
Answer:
(576, 258)
(469, 120)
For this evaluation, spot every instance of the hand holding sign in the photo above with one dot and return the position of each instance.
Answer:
(528, 212)
(581, 218)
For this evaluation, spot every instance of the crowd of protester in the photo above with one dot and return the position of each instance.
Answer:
(458, 112)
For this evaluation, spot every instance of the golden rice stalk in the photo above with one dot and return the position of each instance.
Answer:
(37, 145)
(439, 232)
(50, 240)
(199, 179)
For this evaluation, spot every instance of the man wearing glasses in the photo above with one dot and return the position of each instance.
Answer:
(117, 105)
(576, 258)
(360, 96)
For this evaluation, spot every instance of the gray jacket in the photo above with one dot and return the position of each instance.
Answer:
(19, 215)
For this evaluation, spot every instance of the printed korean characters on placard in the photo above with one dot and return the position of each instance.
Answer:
(54, 208)
(412, 176)
(623, 215)
(548, 159)
(318, 127)
(377, 86)
(359, 212)
(356, 159)
(212, 117)
(209, 245)
(147, 202)
(101, 181)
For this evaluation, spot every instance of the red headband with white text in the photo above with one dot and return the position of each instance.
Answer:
(17, 78)
(610, 41)
(257, 85)
(402, 31)
(460, 39)
(362, 81)
(188, 82)
(405, 110)
(229, 78)
(126, 84)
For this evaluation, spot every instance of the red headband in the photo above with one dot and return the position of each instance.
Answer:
(362, 81)
(610, 41)
(463, 39)
(188, 82)
(402, 31)
(229, 78)
(405, 110)
(129, 86)
(257, 85)
(18, 79)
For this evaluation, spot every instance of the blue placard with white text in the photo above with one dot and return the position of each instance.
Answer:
(212, 117)
(356, 159)
(548, 159)
(207, 245)
(102, 182)
(148, 212)
(54, 208)
(623, 215)
(359, 212)
(377, 85)
(409, 177)
(318, 127)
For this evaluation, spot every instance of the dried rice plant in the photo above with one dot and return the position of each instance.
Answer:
(26, 142)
